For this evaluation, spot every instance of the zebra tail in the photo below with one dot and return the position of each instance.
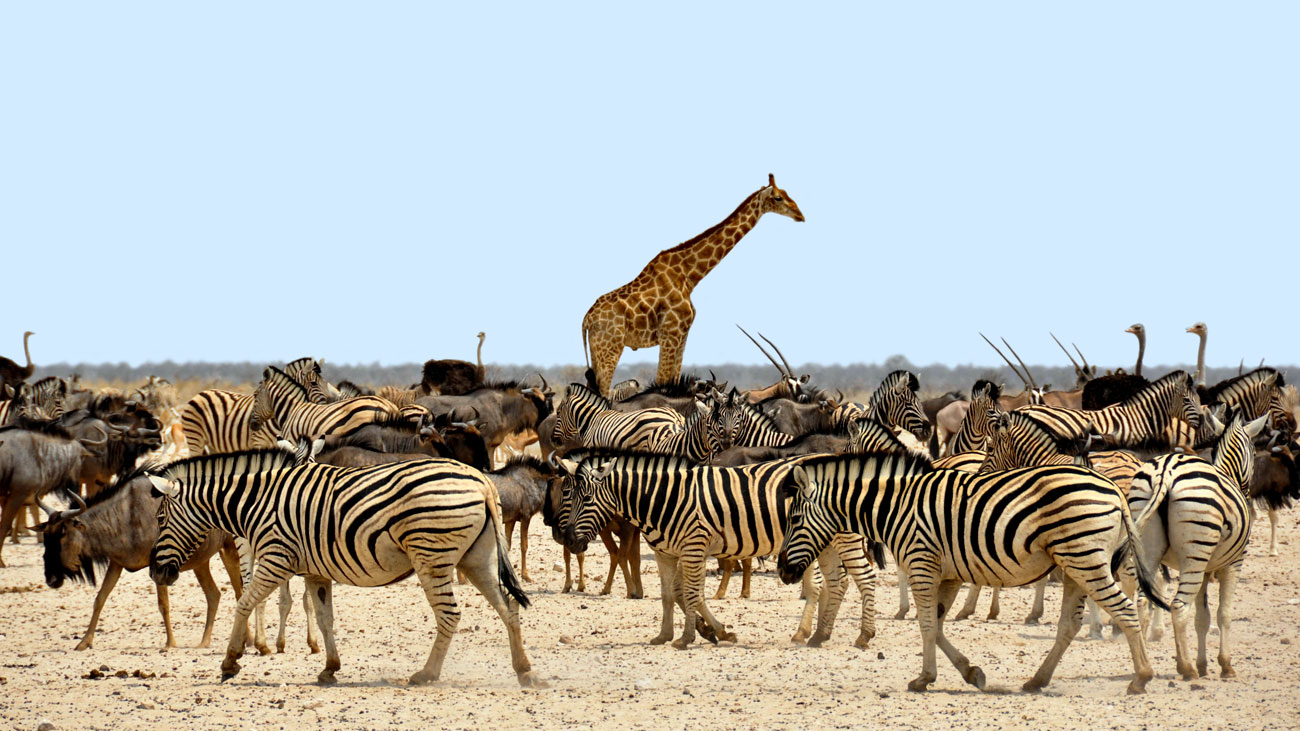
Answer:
(1132, 546)
(877, 553)
(586, 355)
(505, 572)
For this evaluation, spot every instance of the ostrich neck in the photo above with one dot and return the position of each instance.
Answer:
(480, 353)
(27, 353)
(1200, 362)
(1142, 347)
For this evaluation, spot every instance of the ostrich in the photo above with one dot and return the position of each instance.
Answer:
(482, 372)
(1200, 331)
(13, 374)
(1115, 388)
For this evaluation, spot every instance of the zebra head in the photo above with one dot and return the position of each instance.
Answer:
(587, 515)
(869, 435)
(574, 412)
(811, 525)
(1015, 440)
(1234, 454)
(179, 535)
(895, 403)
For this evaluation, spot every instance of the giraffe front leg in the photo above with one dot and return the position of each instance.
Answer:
(606, 350)
(674, 326)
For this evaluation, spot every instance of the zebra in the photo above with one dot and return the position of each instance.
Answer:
(587, 419)
(895, 402)
(217, 421)
(283, 403)
(948, 527)
(973, 435)
(1142, 419)
(1254, 394)
(368, 526)
(700, 437)
(306, 371)
(1195, 516)
(688, 513)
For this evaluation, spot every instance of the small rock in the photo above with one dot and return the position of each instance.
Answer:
(566, 640)
(557, 566)
(644, 684)
(146, 705)
(122, 674)
(880, 656)
(882, 694)
(1285, 641)
(104, 668)
(1197, 686)
(45, 726)
(1293, 601)
(1172, 684)
(688, 692)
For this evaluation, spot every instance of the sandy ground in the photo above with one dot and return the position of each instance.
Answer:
(603, 672)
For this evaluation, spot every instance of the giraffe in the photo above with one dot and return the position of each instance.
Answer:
(655, 308)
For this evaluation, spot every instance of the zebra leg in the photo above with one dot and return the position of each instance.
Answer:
(1100, 586)
(829, 600)
(859, 567)
(970, 673)
(286, 605)
(1094, 620)
(972, 598)
(203, 572)
(105, 588)
(924, 584)
(436, 580)
(1202, 627)
(484, 569)
(690, 571)
(995, 606)
(667, 574)
(324, 591)
(1227, 590)
(1191, 577)
(271, 572)
(903, 604)
(1036, 612)
(259, 615)
(165, 609)
(1071, 617)
(725, 567)
(309, 611)
(811, 587)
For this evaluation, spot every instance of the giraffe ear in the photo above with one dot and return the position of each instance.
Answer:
(771, 180)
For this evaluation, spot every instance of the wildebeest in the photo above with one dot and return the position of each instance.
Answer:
(117, 528)
(37, 458)
(523, 484)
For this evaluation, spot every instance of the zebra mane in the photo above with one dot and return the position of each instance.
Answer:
(878, 431)
(583, 392)
(1168, 381)
(273, 374)
(1238, 384)
(994, 390)
(1069, 446)
(898, 464)
(761, 417)
(228, 465)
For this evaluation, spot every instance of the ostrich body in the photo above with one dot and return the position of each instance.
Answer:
(13, 374)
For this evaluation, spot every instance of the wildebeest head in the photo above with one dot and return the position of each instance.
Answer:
(64, 536)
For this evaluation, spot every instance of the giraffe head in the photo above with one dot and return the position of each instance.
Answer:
(778, 201)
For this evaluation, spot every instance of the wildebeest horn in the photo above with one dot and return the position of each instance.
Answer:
(76, 498)
(712, 378)
(545, 386)
(840, 394)
(103, 440)
(40, 503)
(789, 371)
(764, 352)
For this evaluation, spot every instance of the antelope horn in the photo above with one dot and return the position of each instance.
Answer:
(1029, 375)
(1067, 353)
(1241, 367)
(1008, 360)
(788, 369)
(712, 378)
(760, 347)
(1086, 367)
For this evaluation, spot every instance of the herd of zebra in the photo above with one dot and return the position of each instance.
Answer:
(337, 483)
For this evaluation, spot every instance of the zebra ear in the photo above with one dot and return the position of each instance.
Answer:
(1254, 428)
(603, 471)
(316, 447)
(162, 487)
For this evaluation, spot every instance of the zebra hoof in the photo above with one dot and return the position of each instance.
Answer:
(727, 637)
(817, 640)
(660, 639)
(326, 677)
(529, 680)
(422, 678)
(1227, 672)
(975, 677)
(961, 615)
(902, 614)
(863, 641)
(314, 648)
(920, 685)
(1031, 620)
(279, 648)
(1032, 686)
(680, 644)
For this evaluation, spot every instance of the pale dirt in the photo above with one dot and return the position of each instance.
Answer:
(609, 676)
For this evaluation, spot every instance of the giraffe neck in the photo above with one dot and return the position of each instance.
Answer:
(690, 261)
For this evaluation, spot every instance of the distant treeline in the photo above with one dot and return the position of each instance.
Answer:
(852, 378)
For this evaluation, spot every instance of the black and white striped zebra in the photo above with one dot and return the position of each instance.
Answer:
(688, 513)
(1255, 394)
(307, 372)
(369, 526)
(217, 421)
(284, 404)
(587, 419)
(1144, 418)
(973, 435)
(895, 402)
(947, 528)
(1195, 516)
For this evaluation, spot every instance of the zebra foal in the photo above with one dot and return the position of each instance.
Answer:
(368, 526)
(946, 527)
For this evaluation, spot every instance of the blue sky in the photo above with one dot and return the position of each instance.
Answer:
(379, 182)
